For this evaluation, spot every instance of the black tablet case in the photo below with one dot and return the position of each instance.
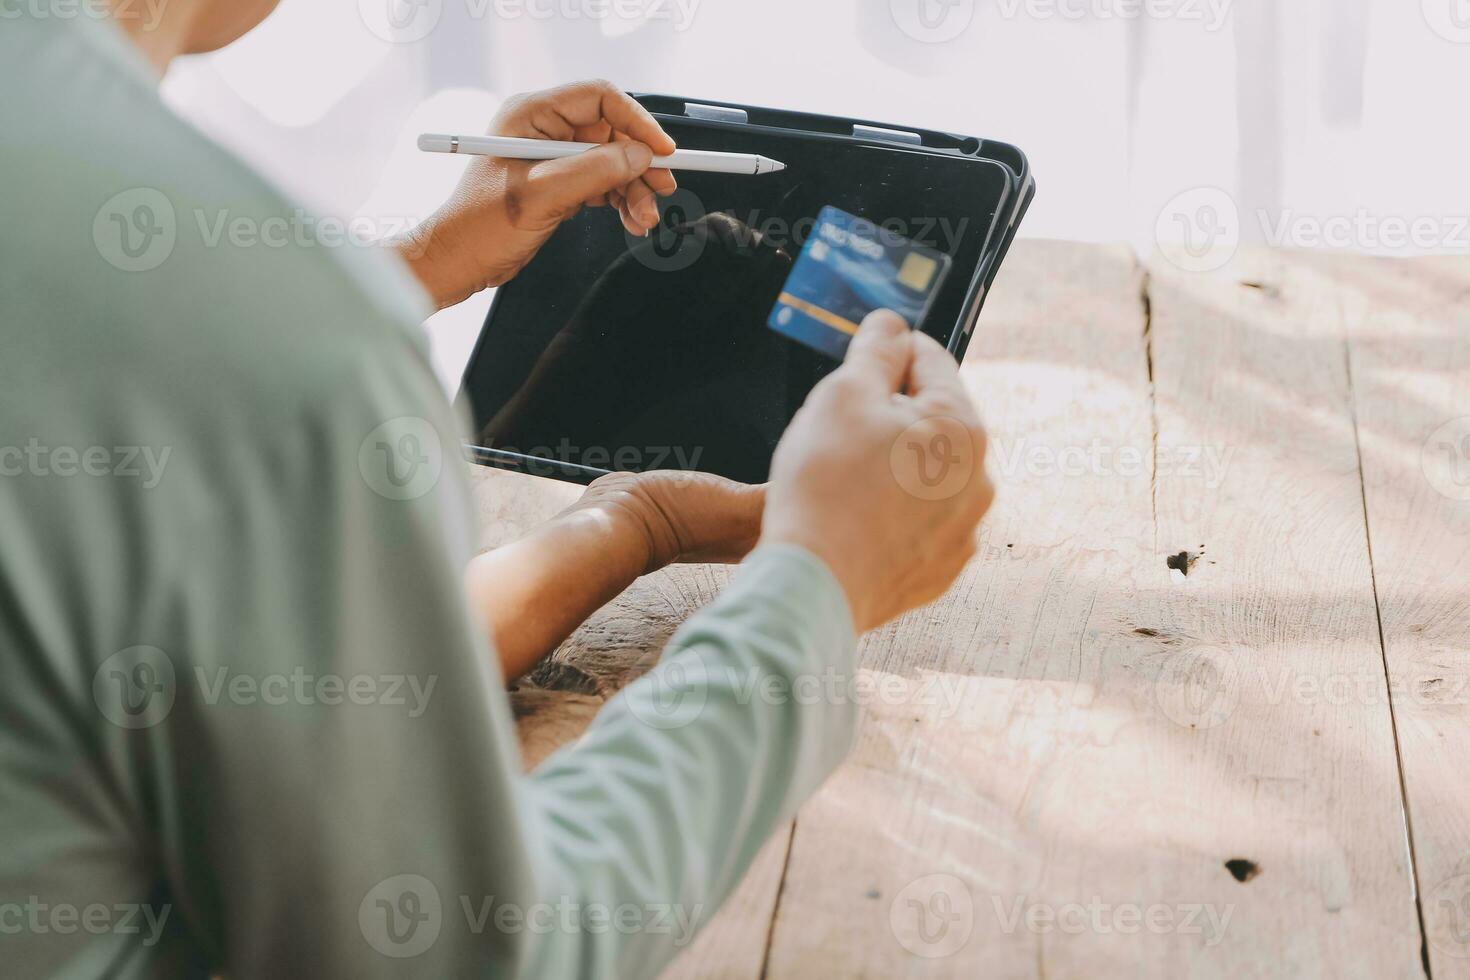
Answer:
(716, 117)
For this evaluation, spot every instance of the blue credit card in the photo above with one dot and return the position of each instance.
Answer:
(848, 268)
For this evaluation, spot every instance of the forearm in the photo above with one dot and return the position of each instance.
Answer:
(531, 595)
(438, 258)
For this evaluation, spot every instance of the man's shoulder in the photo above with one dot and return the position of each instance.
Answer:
(129, 231)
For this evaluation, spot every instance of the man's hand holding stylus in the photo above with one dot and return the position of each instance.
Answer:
(504, 210)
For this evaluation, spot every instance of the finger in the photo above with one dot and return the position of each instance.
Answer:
(619, 204)
(641, 206)
(881, 351)
(549, 123)
(530, 116)
(631, 224)
(933, 371)
(587, 103)
(661, 180)
(556, 188)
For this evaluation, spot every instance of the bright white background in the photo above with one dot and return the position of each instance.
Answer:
(1309, 119)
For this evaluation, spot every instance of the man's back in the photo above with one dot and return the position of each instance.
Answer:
(198, 425)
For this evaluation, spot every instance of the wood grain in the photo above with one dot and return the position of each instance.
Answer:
(1408, 330)
(997, 791)
(1137, 761)
(1294, 765)
(1152, 729)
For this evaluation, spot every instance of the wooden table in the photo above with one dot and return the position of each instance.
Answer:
(1199, 705)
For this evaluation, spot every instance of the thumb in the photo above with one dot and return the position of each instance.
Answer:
(882, 350)
(556, 188)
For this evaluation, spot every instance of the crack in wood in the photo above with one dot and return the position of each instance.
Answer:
(1393, 721)
(1145, 302)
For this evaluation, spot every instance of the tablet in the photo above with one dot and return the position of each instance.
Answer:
(613, 353)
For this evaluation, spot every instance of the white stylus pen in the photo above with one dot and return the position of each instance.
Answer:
(515, 148)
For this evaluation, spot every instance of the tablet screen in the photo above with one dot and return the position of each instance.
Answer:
(618, 353)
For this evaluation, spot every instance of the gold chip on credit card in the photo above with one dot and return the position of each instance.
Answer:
(917, 271)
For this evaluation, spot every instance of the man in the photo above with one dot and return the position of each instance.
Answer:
(252, 723)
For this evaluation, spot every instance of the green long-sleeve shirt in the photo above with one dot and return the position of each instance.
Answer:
(247, 725)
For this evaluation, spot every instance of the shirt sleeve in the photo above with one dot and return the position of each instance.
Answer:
(651, 819)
